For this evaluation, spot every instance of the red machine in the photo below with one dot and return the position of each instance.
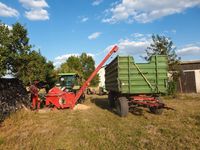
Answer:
(61, 99)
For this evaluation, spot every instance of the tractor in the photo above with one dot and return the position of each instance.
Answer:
(70, 82)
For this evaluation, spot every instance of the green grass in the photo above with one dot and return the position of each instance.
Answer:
(98, 128)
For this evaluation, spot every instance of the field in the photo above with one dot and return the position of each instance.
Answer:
(93, 126)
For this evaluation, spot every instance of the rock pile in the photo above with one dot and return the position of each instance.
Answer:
(13, 96)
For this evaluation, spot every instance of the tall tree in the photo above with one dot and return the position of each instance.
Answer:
(164, 46)
(4, 50)
(19, 46)
(88, 66)
(17, 57)
(84, 65)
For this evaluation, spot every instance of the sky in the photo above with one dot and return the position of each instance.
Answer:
(69, 27)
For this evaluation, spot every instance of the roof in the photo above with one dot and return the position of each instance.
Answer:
(190, 62)
(67, 74)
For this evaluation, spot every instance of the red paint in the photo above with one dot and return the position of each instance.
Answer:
(35, 102)
(146, 101)
(61, 99)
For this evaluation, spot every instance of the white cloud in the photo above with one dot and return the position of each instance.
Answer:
(61, 59)
(97, 2)
(40, 14)
(133, 46)
(34, 3)
(137, 35)
(84, 19)
(9, 27)
(144, 11)
(6, 11)
(35, 9)
(173, 31)
(94, 35)
(191, 49)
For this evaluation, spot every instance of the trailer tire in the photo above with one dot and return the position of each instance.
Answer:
(155, 110)
(111, 99)
(122, 106)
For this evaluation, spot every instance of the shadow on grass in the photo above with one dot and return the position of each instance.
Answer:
(103, 104)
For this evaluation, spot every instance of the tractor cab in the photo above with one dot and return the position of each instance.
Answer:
(69, 81)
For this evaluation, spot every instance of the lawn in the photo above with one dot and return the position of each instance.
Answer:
(95, 127)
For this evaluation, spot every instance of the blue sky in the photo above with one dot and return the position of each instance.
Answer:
(69, 27)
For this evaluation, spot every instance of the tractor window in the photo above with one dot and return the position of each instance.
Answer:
(67, 81)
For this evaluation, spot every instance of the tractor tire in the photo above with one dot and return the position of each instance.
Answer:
(155, 110)
(122, 106)
(111, 99)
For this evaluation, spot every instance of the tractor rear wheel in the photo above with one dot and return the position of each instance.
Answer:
(122, 106)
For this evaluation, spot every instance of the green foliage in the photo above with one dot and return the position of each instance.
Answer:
(18, 58)
(172, 88)
(84, 65)
(4, 50)
(164, 46)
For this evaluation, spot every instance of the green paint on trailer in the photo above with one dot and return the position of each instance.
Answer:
(125, 76)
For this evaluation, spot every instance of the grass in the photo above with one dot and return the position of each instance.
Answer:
(98, 128)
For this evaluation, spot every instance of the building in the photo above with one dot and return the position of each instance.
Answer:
(102, 77)
(189, 81)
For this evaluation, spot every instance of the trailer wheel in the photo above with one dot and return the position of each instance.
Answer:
(122, 106)
(111, 99)
(155, 110)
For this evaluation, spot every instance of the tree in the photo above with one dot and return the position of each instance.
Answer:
(88, 66)
(4, 51)
(164, 46)
(18, 58)
(83, 65)
(19, 47)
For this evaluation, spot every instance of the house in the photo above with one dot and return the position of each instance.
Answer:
(189, 81)
(102, 77)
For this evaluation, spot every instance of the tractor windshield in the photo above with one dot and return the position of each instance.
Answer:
(68, 80)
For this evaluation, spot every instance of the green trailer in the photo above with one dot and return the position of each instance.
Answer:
(126, 81)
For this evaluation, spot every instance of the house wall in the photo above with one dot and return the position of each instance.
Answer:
(197, 79)
(189, 80)
(191, 66)
(102, 77)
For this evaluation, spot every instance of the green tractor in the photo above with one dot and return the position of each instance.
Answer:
(71, 82)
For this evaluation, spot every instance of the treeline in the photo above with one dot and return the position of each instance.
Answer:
(19, 58)
(83, 65)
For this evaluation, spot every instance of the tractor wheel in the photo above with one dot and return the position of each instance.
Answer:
(111, 100)
(155, 110)
(122, 106)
